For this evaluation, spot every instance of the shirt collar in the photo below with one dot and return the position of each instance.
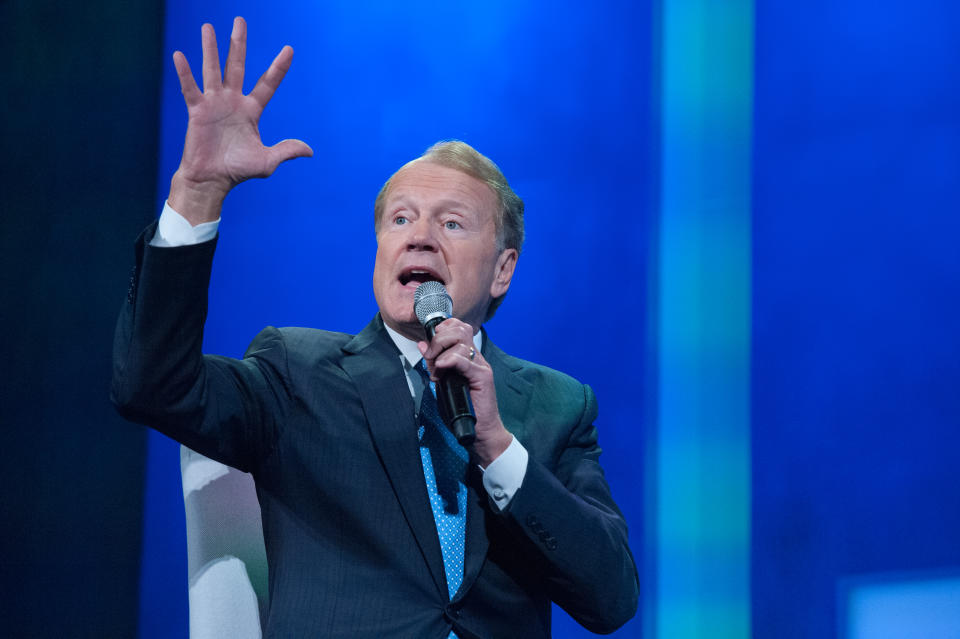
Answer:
(408, 347)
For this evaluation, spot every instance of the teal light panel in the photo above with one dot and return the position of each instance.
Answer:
(700, 528)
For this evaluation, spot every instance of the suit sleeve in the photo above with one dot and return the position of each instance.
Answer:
(568, 513)
(226, 409)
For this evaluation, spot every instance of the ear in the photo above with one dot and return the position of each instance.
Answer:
(503, 272)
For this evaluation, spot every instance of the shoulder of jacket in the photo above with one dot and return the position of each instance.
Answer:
(300, 343)
(540, 374)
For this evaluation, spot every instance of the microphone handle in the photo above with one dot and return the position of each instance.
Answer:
(453, 399)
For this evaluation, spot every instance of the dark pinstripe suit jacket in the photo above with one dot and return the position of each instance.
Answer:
(325, 423)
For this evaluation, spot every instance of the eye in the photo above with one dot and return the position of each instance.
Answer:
(400, 220)
(451, 225)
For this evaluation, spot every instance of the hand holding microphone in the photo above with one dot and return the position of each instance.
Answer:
(432, 305)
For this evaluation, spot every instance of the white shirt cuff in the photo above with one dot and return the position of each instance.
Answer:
(502, 478)
(174, 230)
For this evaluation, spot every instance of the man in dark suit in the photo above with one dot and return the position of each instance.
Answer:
(376, 524)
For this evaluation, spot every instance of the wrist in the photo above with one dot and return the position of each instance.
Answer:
(488, 448)
(197, 202)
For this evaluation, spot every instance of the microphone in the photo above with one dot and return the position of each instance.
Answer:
(432, 304)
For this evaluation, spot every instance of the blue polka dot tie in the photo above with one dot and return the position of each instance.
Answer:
(444, 468)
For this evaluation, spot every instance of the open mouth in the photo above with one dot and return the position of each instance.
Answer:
(419, 276)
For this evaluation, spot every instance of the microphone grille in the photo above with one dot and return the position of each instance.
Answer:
(431, 298)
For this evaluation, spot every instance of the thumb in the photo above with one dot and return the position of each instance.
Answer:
(288, 150)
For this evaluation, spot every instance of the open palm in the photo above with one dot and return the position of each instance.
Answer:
(223, 146)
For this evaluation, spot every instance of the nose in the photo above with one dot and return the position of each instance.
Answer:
(422, 236)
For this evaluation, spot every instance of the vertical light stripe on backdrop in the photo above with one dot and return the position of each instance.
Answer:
(700, 533)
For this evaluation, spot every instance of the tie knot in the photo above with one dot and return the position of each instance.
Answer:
(422, 367)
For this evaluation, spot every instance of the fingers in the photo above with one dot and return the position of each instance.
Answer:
(288, 150)
(269, 81)
(460, 357)
(448, 333)
(236, 57)
(191, 92)
(452, 348)
(211, 58)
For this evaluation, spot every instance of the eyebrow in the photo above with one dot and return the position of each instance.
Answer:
(444, 203)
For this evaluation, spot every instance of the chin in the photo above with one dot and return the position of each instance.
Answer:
(400, 319)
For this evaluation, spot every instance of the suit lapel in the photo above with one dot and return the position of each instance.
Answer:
(373, 363)
(513, 392)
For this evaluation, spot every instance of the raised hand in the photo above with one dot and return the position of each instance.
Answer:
(223, 146)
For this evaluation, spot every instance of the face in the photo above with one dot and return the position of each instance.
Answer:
(438, 224)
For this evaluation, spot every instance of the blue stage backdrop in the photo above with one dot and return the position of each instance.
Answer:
(556, 93)
(856, 308)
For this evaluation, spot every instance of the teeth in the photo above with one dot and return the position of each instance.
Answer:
(417, 274)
